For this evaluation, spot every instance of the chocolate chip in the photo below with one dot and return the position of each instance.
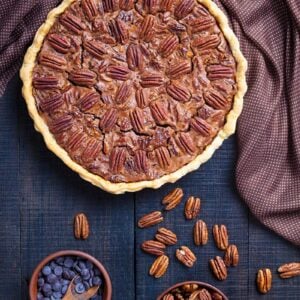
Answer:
(58, 270)
(79, 288)
(46, 270)
(51, 278)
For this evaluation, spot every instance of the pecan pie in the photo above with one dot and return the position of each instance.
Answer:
(134, 93)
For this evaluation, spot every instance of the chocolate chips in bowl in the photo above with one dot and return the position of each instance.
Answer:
(190, 290)
(53, 275)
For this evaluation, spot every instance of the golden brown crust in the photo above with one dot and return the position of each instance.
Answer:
(119, 188)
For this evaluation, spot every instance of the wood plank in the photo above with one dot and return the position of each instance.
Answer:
(52, 194)
(220, 204)
(9, 195)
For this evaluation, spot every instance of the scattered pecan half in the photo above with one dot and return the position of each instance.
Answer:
(200, 233)
(192, 207)
(159, 266)
(289, 270)
(218, 267)
(264, 280)
(221, 236)
(153, 247)
(186, 256)
(81, 226)
(150, 219)
(173, 199)
(166, 236)
(231, 256)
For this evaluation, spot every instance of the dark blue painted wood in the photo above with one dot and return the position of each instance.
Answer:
(10, 278)
(40, 196)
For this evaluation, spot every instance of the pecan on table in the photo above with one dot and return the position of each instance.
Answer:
(264, 280)
(150, 219)
(289, 270)
(81, 226)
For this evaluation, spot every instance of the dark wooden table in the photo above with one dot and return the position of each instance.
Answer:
(40, 196)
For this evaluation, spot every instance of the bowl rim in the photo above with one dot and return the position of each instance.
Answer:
(107, 295)
(203, 284)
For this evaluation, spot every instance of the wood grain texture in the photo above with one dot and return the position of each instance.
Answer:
(40, 196)
(10, 257)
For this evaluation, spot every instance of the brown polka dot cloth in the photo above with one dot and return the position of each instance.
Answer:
(268, 168)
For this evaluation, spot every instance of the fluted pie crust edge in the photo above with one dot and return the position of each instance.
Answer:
(26, 74)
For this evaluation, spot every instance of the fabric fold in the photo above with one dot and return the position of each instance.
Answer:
(268, 170)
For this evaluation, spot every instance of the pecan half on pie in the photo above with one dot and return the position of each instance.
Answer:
(133, 94)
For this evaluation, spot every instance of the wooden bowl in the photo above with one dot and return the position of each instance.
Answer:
(33, 287)
(201, 284)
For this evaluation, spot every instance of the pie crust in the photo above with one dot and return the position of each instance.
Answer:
(26, 74)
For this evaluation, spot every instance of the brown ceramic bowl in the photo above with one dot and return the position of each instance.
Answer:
(201, 284)
(107, 288)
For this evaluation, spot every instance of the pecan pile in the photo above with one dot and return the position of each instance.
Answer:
(165, 238)
(192, 291)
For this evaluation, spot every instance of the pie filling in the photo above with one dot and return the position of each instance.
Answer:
(134, 90)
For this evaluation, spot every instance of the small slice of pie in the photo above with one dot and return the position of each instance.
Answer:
(134, 93)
